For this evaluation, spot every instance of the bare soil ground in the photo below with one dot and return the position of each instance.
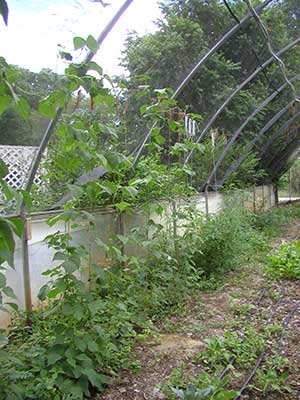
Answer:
(178, 338)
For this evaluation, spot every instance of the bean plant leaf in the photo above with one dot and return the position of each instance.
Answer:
(92, 43)
(17, 225)
(70, 266)
(7, 243)
(76, 190)
(22, 107)
(9, 292)
(78, 42)
(122, 206)
(47, 107)
(2, 280)
(95, 67)
(14, 306)
(3, 169)
(4, 102)
(43, 292)
(4, 10)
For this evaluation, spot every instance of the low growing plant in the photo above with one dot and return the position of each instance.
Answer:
(285, 262)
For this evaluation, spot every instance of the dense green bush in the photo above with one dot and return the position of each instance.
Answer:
(226, 238)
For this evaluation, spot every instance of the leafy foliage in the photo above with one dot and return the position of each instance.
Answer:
(285, 262)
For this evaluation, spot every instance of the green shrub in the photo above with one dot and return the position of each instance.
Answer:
(226, 238)
(285, 262)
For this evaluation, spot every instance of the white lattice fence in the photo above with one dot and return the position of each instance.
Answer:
(18, 159)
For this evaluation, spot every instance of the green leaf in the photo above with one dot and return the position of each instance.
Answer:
(17, 225)
(80, 344)
(78, 42)
(3, 169)
(96, 379)
(4, 102)
(43, 292)
(92, 43)
(130, 190)
(92, 346)
(103, 160)
(70, 266)
(47, 107)
(27, 199)
(4, 11)
(2, 280)
(109, 187)
(76, 190)
(67, 309)
(53, 293)
(158, 138)
(14, 306)
(22, 107)
(9, 292)
(95, 67)
(7, 243)
(59, 256)
(53, 358)
(122, 206)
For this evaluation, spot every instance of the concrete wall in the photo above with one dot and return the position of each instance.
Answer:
(107, 225)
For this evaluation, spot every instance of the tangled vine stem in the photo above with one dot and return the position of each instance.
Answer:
(285, 324)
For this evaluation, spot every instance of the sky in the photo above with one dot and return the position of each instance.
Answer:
(38, 29)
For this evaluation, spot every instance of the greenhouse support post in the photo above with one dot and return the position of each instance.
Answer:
(26, 269)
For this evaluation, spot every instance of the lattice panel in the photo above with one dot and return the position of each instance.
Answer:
(18, 159)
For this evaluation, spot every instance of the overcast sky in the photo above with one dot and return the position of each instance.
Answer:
(36, 27)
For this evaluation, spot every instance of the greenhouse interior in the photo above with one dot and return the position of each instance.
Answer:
(149, 199)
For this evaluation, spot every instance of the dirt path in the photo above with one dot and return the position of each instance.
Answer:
(246, 296)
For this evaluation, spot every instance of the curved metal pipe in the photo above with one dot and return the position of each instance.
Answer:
(236, 91)
(278, 133)
(239, 131)
(235, 165)
(290, 148)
